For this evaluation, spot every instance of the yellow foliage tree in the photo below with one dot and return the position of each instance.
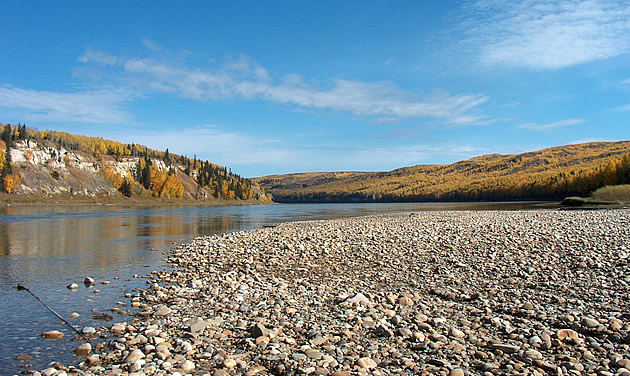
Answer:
(11, 182)
(112, 176)
(172, 187)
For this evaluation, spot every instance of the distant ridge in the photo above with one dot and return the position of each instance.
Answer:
(548, 174)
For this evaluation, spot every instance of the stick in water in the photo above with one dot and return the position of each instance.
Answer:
(23, 288)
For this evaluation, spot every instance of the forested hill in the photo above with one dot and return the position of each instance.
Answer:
(48, 164)
(547, 174)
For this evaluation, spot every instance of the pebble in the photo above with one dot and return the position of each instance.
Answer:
(445, 293)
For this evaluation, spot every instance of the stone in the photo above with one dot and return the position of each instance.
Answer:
(567, 335)
(358, 299)
(118, 328)
(134, 355)
(454, 332)
(196, 325)
(456, 372)
(53, 334)
(162, 311)
(187, 366)
(137, 365)
(93, 360)
(258, 330)
(73, 286)
(23, 357)
(366, 363)
(88, 281)
(507, 349)
(532, 354)
(229, 363)
(73, 315)
(313, 354)
(590, 323)
(83, 350)
(534, 340)
(405, 301)
(88, 331)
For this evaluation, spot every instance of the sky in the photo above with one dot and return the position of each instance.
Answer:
(268, 87)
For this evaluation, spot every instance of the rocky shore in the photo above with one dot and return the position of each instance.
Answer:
(444, 293)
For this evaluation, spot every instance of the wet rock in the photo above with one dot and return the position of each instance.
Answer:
(83, 350)
(88, 281)
(73, 286)
(53, 334)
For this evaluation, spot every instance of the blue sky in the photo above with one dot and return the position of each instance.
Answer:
(270, 87)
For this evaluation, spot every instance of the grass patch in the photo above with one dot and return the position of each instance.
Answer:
(619, 193)
(610, 195)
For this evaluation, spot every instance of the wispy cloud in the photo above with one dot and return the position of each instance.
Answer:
(243, 78)
(550, 126)
(624, 108)
(228, 148)
(92, 106)
(542, 34)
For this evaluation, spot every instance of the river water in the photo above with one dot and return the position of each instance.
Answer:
(45, 248)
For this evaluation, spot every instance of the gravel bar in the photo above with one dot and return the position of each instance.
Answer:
(431, 293)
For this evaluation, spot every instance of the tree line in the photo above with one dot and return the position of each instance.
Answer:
(476, 180)
(157, 173)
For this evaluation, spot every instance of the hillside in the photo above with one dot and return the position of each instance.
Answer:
(552, 173)
(44, 165)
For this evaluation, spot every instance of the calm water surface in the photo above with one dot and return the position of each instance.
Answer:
(46, 248)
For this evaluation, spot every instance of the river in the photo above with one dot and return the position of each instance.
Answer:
(45, 248)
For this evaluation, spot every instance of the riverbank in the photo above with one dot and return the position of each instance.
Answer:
(7, 200)
(453, 293)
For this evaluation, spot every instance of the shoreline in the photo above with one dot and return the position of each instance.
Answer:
(446, 292)
(130, 203)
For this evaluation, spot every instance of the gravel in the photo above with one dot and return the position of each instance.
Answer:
(444, 293)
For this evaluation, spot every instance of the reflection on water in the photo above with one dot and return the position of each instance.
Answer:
(48, 247)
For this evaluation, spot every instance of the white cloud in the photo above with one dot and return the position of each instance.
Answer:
(243, 78)
(213, 143)
(554, 125)
(624, 108)
(542, 34)
(96, 106)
